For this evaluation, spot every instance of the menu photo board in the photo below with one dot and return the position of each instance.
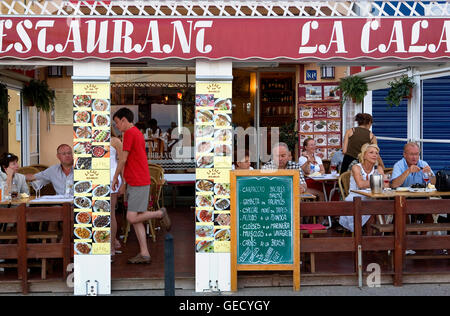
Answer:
(91, 147)
(265, 222)
(323, 123)
(213, 155)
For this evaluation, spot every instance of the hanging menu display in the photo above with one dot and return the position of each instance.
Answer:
(213, 154)
(320, 118)
(91, 143)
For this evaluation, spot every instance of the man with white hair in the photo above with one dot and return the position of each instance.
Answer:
(410, 170)
(281, 159)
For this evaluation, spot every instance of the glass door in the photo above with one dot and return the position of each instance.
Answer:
(245, 112)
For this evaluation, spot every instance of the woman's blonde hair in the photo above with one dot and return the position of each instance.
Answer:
(364, 148)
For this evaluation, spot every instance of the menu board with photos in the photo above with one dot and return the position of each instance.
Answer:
(91, 147)
(213, 154)
(320, 118)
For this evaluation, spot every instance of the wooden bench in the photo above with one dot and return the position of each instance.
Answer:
(399, 241)
(410, 228)
(311, 232)
(22, 250)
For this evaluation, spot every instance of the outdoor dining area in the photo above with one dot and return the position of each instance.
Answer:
(32, 253)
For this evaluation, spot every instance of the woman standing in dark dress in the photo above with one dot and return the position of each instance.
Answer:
(356, 137)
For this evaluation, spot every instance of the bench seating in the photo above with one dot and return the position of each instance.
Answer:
(410, 228)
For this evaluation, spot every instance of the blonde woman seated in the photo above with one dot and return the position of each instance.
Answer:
(360, 179)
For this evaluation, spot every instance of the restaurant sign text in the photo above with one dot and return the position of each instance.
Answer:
(238, 38)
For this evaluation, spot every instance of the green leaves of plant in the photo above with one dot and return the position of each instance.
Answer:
(39, 94)
(353, 87)
(399, 89)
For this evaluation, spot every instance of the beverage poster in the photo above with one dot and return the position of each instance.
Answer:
(91, 147)
(213, 155)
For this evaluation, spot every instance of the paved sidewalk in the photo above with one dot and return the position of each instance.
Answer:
(385, 290)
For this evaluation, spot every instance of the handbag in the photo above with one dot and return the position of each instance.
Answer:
(443, 180)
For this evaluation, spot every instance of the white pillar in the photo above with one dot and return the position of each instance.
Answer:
(92, 273)
(213, 270)
(414, 110)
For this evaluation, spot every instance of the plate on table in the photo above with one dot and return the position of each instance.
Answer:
(402, 189)
(417, 190)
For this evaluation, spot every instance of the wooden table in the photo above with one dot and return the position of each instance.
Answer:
(307, 196)
(33, 201)
(393, 193)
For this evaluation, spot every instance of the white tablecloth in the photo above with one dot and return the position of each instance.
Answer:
(179, 177)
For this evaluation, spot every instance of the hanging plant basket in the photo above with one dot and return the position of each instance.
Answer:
(399, 89)
(4, 100)
(354, 88)
(37, 93)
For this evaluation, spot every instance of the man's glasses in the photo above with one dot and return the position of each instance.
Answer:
(68, 153)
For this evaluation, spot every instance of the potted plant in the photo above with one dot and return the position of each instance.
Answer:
(37, 93)
(289, 135)
(353, 87)
(4, 100)
(399, 89)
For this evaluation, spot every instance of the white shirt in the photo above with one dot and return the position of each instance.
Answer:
(58, 178)
(303, 160)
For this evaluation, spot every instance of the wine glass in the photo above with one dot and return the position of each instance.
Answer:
(37, 186)
(387, 180)
(333, 168)
(426, 178)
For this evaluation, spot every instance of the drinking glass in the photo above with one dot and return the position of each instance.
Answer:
(426, 177)
(387, 180)
(37, 186)
(14, 191)
(333, 168)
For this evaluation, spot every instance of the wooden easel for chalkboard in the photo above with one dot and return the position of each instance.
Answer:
(256, 188)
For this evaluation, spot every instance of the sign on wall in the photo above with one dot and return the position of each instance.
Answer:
(213, 155)
(91, 147)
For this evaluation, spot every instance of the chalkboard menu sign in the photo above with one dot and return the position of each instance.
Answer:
(265, 221)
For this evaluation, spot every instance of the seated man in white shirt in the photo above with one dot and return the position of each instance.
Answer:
(60, 175)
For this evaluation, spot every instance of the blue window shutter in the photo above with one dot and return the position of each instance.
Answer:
(436, 121)
(389, 122)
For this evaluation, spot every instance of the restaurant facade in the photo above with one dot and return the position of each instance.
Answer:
(212, 68)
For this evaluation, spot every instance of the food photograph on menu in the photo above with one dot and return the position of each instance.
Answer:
(320, 118)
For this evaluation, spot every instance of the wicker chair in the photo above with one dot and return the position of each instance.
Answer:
(344, 184)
